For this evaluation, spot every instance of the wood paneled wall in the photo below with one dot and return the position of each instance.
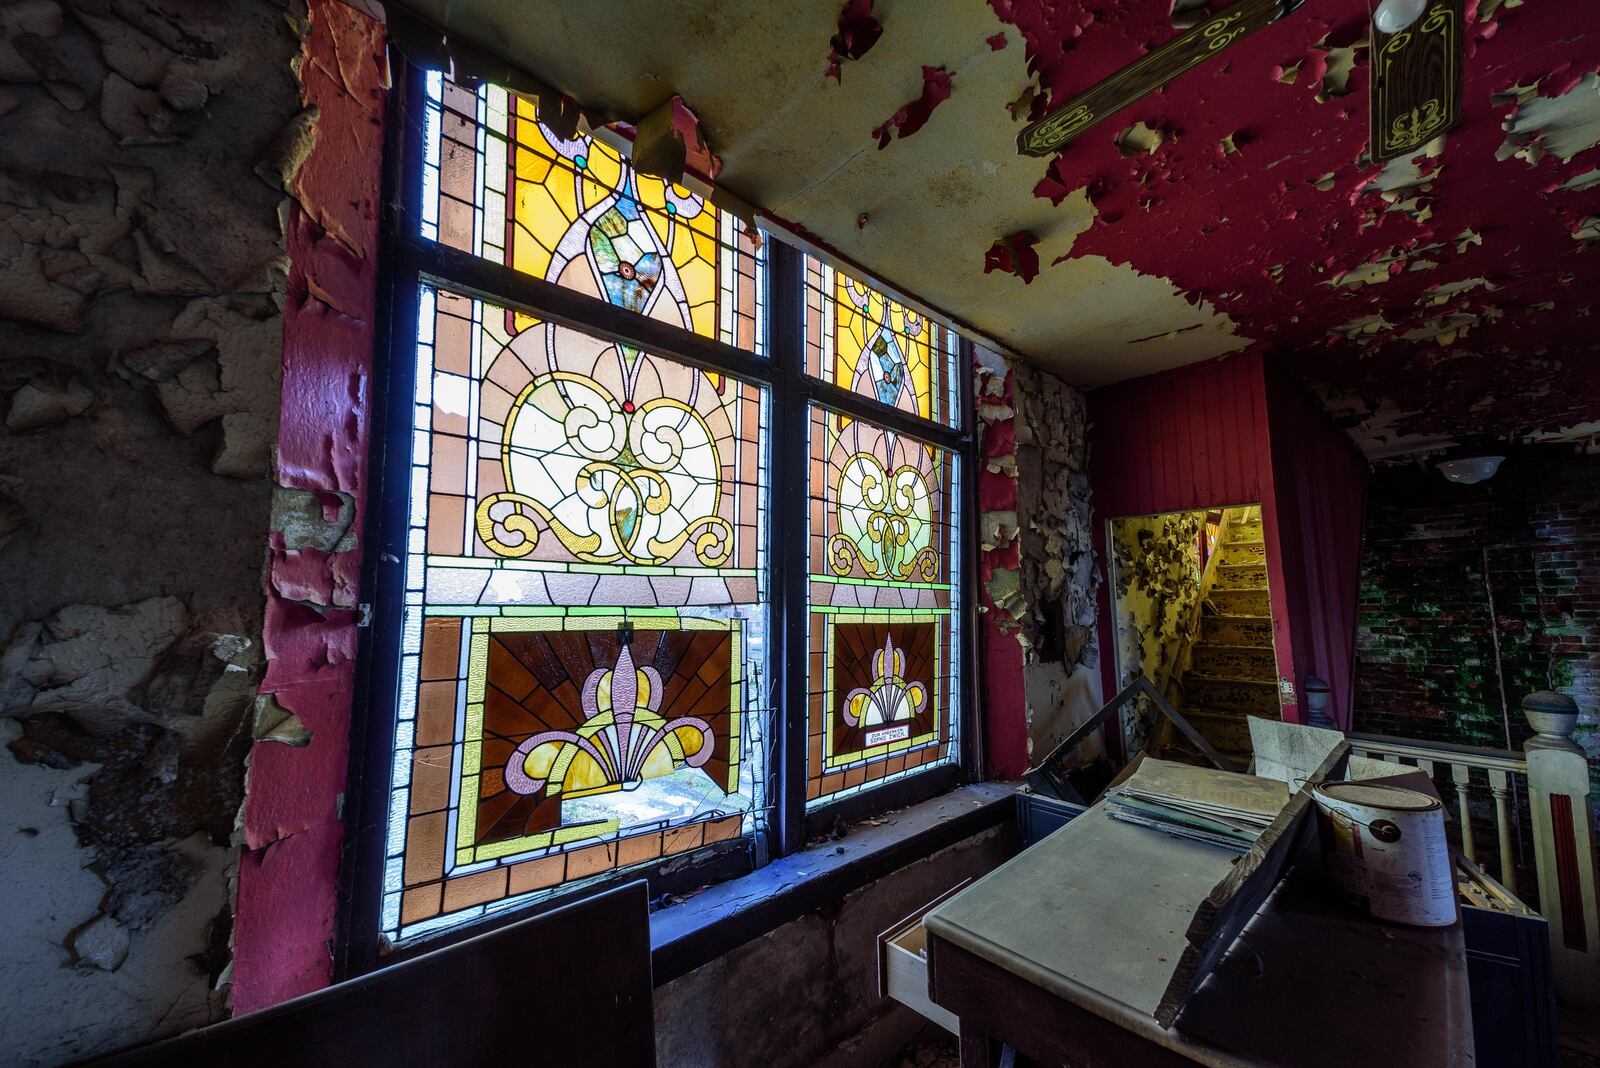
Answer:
(1196, 437)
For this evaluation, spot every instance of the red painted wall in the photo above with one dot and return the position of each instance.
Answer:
(1321, 479)
(1004, 705)
(1192, 438)
(288, 871)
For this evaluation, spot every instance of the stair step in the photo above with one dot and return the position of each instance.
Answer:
(1251, 576)
(1245, 532)
(1244, 552)
(1237, 661)
(1224, 694)
(1228, 733)
(1240, 602)
(1236, 630)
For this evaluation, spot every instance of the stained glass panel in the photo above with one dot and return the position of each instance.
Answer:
(860, 339)
(500, 184)
(584, 655)
(883, 631)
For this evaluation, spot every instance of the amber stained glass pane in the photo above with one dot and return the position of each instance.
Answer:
(500, 184)
(860, 339)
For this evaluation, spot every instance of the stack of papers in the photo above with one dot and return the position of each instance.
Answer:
(1221, 808)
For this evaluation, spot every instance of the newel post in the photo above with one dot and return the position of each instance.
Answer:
(1563, 837)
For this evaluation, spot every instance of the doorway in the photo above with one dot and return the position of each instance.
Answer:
(1192, 612)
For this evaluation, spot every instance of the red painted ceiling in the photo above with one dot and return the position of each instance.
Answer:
(1263, 232)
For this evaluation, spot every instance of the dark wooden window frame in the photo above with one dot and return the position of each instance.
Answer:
(411, 261)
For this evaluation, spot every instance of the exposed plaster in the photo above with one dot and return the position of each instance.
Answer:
(1036, 560)
(1561, 125)
(292, 826)
(140, 320)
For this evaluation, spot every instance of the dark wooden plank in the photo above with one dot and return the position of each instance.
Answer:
(978, 1050)
(1416, 81)
(790, 461)
(1234, 900)
(1147, 74)
(569, 987)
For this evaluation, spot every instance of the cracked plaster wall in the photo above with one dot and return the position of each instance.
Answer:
(1036, 562)
(149, 147)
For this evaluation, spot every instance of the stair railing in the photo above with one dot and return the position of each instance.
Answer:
(1465, 764)
(1554, 771)
(1208, 578)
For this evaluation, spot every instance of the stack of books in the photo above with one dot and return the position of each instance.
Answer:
(1220, 808)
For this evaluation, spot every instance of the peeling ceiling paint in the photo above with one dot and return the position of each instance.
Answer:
(801, 145)
(1232, 210)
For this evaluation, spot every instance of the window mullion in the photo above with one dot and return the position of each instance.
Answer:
(473, 276)
(789, 538)
(965, 600)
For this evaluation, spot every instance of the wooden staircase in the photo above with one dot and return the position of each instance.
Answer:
(1233, 671)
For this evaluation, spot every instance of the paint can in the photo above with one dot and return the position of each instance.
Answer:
(1385, 847)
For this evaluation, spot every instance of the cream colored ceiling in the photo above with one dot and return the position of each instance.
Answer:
(800, 146)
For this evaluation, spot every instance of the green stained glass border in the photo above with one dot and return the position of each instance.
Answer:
(832, 761)
(469, 776)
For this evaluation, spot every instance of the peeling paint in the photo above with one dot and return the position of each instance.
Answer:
(1561, 125)
(1036, 559)
(1139, 138)
(1014, 254)
(858, 32)
(291, 822)
(913, 116)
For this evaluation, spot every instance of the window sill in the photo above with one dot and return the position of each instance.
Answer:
(691, 933)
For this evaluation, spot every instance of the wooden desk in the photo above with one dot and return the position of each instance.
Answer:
(1064, 953)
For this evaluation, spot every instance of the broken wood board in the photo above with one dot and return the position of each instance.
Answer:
(1234, 900)
(1051, 775)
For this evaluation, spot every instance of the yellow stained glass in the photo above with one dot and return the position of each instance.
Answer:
(882, 348)
(584, 218)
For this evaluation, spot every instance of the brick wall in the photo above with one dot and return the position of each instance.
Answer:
(1466, 588)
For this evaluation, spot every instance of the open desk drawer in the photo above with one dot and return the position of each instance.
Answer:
(902, 959)
(903, 964)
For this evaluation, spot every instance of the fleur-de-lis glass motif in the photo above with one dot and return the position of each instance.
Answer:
(891, 697)
(623, 740)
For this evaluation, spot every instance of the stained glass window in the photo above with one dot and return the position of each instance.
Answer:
(862, 340)
(582, 661)
(584, 651)
(499, 184)
(884, 640)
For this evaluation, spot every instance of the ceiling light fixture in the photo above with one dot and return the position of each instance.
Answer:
(1393, 16)
(1472, 469)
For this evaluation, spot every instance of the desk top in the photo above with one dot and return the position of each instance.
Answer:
(1096, 914)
